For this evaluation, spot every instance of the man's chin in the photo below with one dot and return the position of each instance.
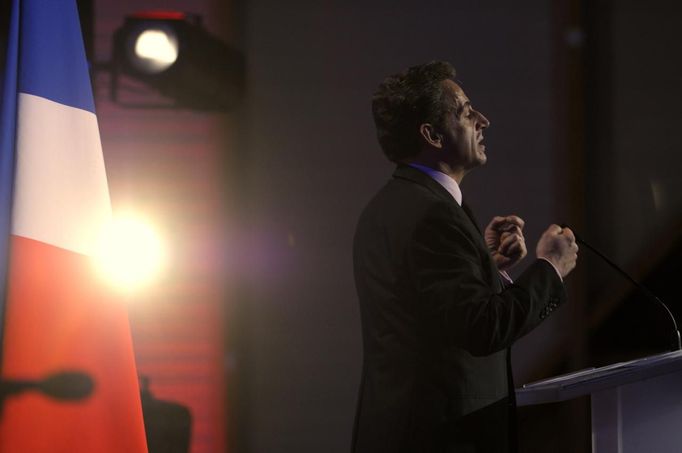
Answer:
(476, 160)
(482, 157)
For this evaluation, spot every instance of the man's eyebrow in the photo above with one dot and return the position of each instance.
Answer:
(461, 107)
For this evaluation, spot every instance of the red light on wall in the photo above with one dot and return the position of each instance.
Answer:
(160, 15)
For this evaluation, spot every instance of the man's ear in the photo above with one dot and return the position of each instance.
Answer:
(430, 135)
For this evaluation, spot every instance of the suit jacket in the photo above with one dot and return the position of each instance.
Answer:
(437, 323)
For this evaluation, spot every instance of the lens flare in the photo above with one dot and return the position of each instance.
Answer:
(130, 253)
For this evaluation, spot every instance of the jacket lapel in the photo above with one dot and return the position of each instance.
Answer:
(421, 178)
(470, 214)
(466, 216)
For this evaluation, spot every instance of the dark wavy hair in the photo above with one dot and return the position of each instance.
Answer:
(404, 101)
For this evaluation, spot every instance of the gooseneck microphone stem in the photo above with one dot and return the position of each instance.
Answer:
(649, 295)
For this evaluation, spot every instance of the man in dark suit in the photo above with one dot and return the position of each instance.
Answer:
(439, 312)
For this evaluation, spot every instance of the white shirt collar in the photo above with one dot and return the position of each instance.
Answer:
(444, 180)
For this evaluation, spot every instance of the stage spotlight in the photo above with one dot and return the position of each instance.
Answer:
(174, 54)
(130, 253)
(155, 50)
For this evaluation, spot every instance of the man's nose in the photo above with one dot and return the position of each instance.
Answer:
(483, 122)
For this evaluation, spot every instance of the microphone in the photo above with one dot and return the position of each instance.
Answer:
(649, 295)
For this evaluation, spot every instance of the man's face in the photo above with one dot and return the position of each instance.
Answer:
(463, 132)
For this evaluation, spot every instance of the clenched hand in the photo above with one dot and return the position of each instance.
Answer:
(557, 245)
(504, 238)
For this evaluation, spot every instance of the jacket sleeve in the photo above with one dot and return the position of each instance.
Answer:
(456, 301)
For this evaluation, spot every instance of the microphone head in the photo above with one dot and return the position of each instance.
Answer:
(67, 385)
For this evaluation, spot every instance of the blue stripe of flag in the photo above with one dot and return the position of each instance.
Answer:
(45, 57)
(53, 64)
(8, 123)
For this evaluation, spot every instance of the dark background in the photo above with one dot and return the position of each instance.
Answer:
(583, 97)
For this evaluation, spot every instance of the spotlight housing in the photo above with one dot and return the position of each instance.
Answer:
(172, 52)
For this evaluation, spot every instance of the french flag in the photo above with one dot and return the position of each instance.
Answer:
(56, 313)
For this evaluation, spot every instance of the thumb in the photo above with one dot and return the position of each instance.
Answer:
(554, 229)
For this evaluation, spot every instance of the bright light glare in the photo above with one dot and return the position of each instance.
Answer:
(130, 253)
(158, 46)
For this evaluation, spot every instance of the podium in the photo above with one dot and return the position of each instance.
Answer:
(636, 406)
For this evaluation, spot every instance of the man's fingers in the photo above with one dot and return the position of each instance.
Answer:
(569, 234)
(509, 228)
(507, 240)
(507, 223)
(554, 229)
(510, 243)
(515, 248)
(496, 222)
(558, 245)
(515, 220)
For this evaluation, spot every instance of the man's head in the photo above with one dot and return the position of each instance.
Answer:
(423, 113)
